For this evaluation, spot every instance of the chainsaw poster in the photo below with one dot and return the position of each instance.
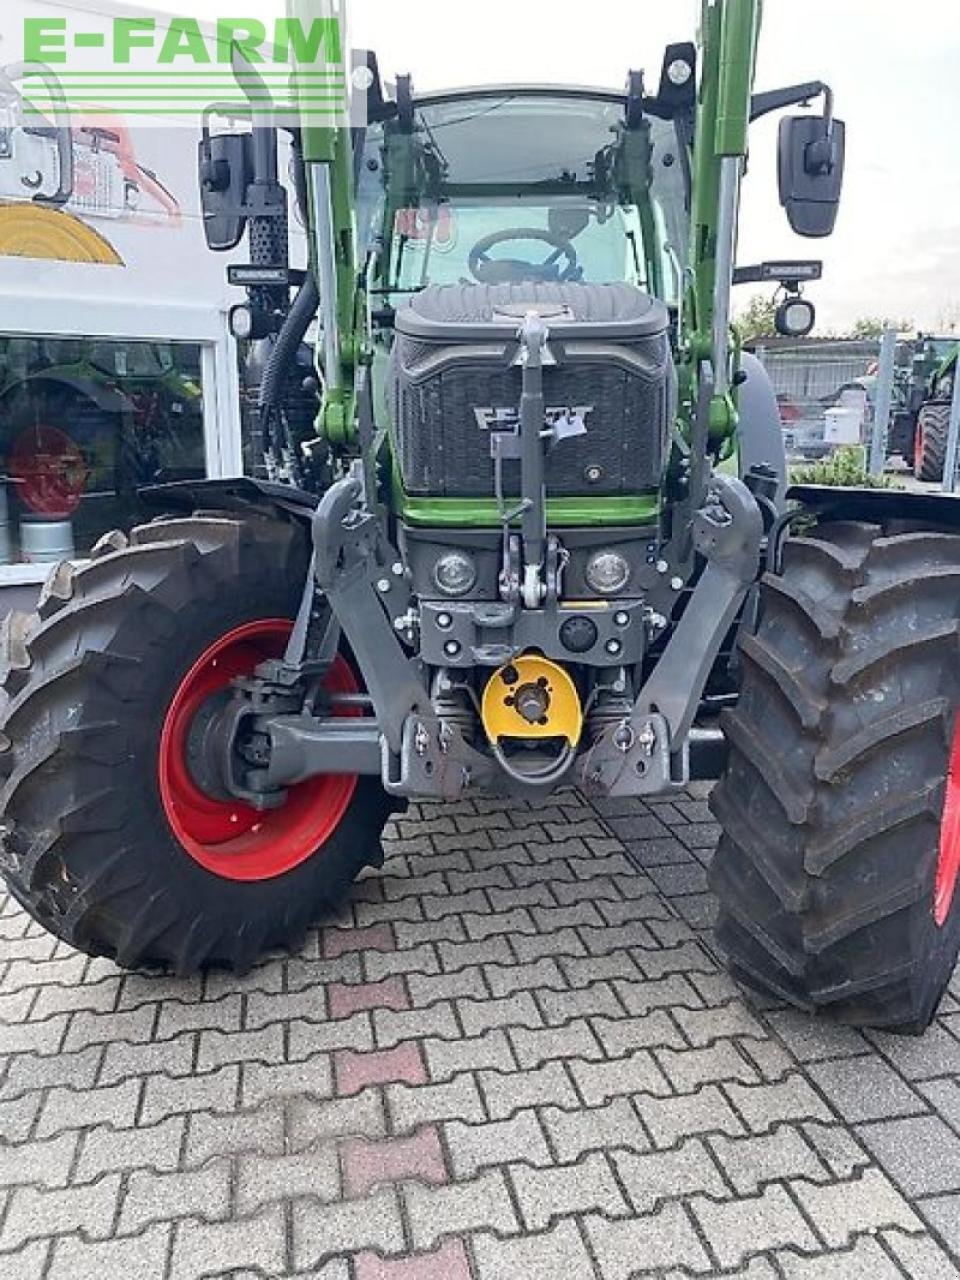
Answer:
(111, 184)
(82, 184)
(88, 184)
(97, 201)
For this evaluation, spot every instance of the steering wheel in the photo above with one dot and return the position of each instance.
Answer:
(505, 270)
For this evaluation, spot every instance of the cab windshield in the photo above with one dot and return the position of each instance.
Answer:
(524, 185)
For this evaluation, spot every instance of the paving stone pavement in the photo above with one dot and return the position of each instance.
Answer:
(511, 1056)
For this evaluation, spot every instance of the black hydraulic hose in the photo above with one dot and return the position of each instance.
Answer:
(546, 777)
(292, 333)
(300, 178)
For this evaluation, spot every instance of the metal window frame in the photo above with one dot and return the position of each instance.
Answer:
(120, 321)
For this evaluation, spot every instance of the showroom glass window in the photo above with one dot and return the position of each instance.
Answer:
(84, 423)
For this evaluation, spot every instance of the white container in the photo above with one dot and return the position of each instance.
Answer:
(842, 426)
(854, 398)
(46, 541)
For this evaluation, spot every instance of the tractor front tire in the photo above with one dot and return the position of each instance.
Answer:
(837, 866)
(930, 445)
(107, 839)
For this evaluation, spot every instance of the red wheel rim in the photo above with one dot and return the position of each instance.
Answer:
(235, 841)
(49, 470)
(948, 866)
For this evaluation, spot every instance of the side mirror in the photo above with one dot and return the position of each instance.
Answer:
(225, 171)
(811, 153)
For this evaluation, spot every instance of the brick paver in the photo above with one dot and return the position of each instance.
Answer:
(512, 1055)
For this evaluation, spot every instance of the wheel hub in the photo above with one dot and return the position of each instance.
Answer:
(203, 747)
(226, 837)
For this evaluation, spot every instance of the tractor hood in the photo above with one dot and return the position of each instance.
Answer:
(456, 380)
(619, 312)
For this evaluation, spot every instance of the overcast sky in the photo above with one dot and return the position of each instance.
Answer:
(895, 68)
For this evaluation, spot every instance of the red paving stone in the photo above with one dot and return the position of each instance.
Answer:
(367, 1163)
(449, 1262)
(354, 1071)
(347, 998)
(375, 937)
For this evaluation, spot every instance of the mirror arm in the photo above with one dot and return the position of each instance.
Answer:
(828, 109)
(761, 104)
(821, 156)
(254, 89)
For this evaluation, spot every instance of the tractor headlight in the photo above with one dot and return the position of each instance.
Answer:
(607, 572)
(455, 573)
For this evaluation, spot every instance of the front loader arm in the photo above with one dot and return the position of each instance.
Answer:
(729, 33)
(328, 160)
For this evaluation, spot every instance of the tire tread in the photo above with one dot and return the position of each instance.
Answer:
(829, 849)
(74, 673)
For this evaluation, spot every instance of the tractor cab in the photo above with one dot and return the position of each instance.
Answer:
(520, 185)
(482, 208)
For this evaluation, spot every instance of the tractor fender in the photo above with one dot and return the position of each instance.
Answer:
(101, 394)
(946, 370)
(240, 496)
(760, 431)
(873, 506)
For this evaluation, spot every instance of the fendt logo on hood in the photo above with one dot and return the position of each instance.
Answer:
(570, 419)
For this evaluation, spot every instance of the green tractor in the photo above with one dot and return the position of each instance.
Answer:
(921, 424)
(537, 537)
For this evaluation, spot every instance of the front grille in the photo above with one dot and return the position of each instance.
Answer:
(444, 450)
(453, 380)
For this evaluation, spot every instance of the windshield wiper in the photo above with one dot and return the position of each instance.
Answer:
(478, 115)
(641, 272)
(433, 217)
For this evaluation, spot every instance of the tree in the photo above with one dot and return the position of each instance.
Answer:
(757, 320)
(874, 326)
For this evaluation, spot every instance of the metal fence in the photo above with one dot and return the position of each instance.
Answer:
(808, 377)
